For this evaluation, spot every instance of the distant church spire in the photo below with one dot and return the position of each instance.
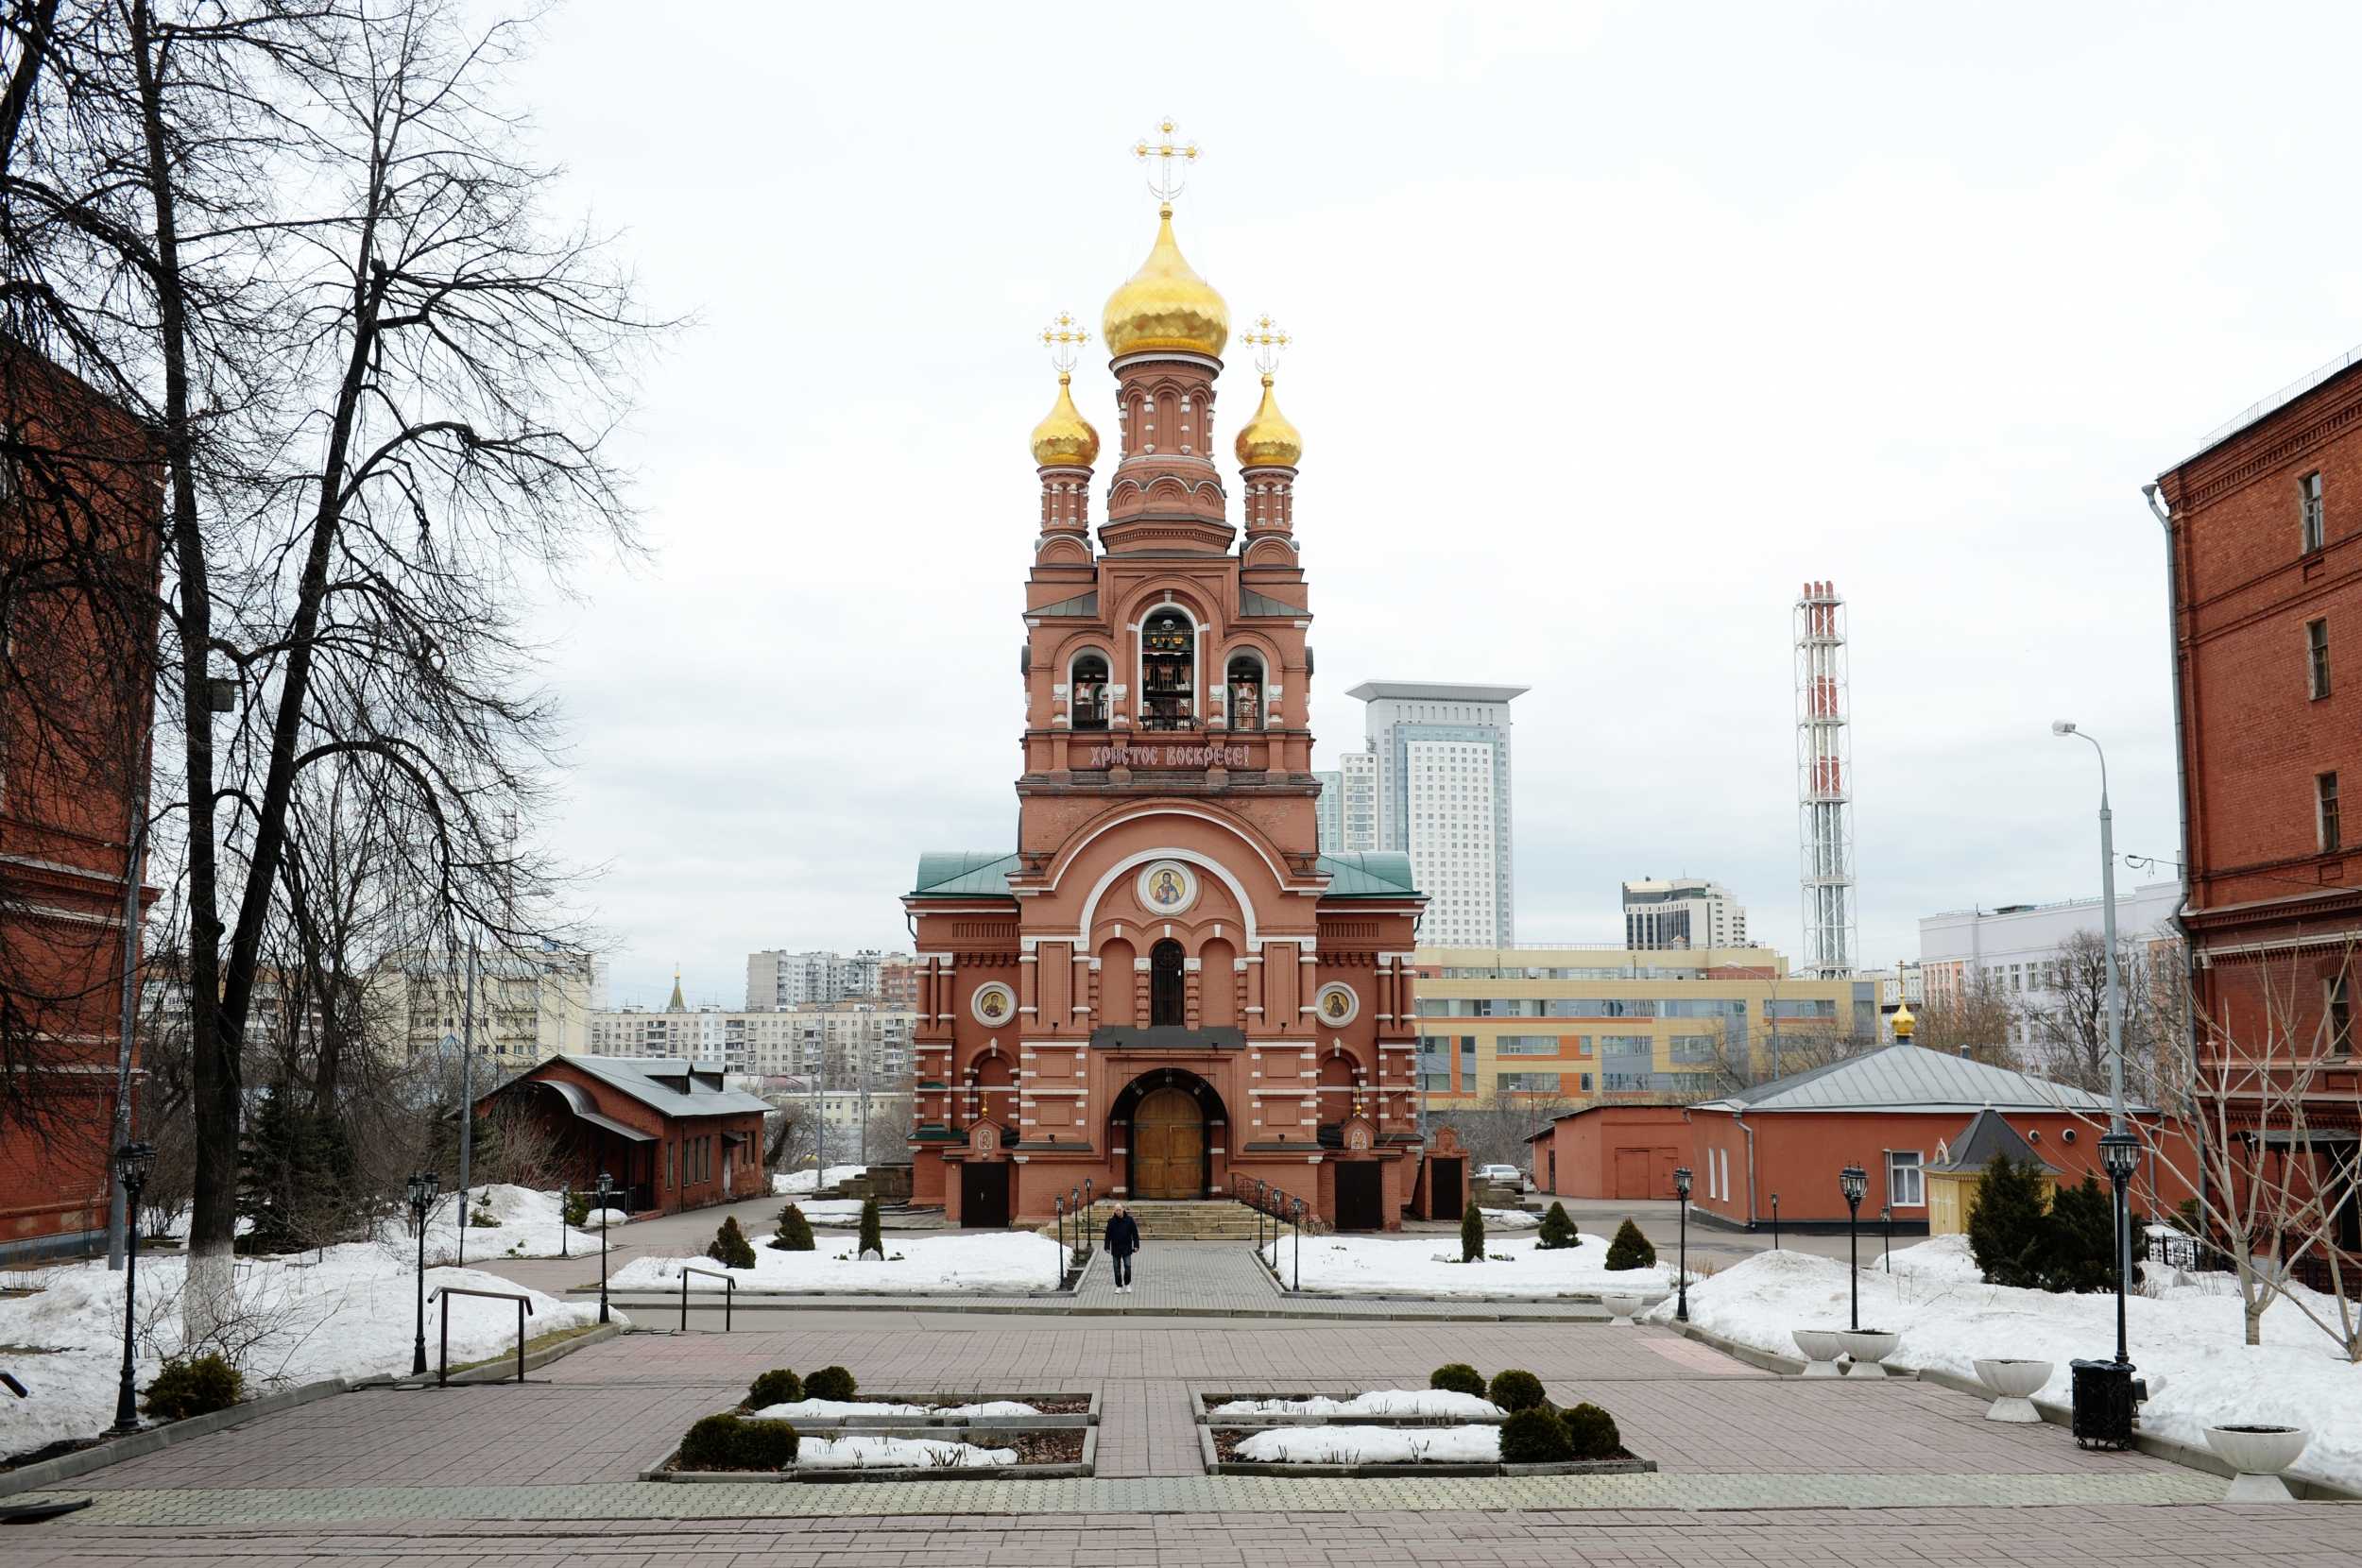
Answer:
(678, 1004)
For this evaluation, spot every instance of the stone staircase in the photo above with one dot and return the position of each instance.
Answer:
(1203, 1220)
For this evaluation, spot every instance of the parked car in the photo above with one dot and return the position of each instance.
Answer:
(1506, 1175)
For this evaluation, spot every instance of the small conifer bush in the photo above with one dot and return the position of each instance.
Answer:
(780, 1385)
(1593, 1432)
(1558, 1229)
(2007, 1230)
(872, 1237)
(831, 1383)
(1457, 1377)
(1535, 1435)
(736, 1442)
(1517, 1389)
(577, 1209)
(196, 1386)
(795, 1232)
(1472, 1235)
(730, 1248)
(1630, 1249)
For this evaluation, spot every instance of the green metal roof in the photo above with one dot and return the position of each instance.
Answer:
(964, 874)
(1370, 874)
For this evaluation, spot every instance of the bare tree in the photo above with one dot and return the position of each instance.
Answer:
(2068, 1016)
(1980, 1021)
(1494, 1127)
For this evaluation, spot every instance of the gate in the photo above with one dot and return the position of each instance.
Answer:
(984, 1192)
(1360, 1195)
(1445, 1188)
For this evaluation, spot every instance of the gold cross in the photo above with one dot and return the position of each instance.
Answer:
(1269, 340)
(1064, 341)
(1165, 175)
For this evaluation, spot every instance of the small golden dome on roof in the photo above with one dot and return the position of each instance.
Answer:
(1268, 440)
(1165, 305)
(1065, 440)
(1905, 1025)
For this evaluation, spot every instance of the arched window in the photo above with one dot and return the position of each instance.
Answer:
(1246, 692)
(1086, 701)
(1167, 670)
(1164, 984)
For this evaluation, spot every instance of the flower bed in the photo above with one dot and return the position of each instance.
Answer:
(938, 1454)
(1362, 1448)
(978, 1410)
(1378, 1406)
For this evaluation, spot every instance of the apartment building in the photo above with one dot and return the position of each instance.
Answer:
(777, 980)
(1686, 911)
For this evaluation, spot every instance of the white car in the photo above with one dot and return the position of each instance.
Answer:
(1507, 1175)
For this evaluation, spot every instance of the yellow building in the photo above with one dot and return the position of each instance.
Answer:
(1584, 1024)
(1951, 1177)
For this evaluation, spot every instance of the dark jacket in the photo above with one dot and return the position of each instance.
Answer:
(1123, 1235)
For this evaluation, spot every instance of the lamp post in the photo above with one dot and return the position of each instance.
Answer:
(2120, 1153)
(1775, 1221)
(605, 1190)
(2117, 1127)
(1885, 1212)
(565, 1206)
(422, 1187)
(1681, 1285)
(1854, 1181)
(132, 1163)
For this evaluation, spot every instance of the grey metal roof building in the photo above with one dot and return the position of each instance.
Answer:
(1909, 1077)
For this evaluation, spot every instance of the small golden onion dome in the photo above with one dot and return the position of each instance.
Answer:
(1065, 440)
(1165, 305)
(1905, 1025)
(1268, 440)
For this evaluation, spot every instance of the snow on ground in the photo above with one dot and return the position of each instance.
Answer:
(346, 1311)
(1374, 1445)
(888, 1452)
(1430, 1266)
(812, 1409)
(1013, 1260)
(529, 1226)
(1509, 1219)
(812, 1181)
(1382, 1402)
(2189, 1333)
(831, 1211)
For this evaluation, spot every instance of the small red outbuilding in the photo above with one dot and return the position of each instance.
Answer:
(670, 1135)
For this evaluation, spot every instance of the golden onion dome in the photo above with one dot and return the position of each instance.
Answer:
(1165, 305)
(1065, 440)
(1905, 1025)
(1268, 440)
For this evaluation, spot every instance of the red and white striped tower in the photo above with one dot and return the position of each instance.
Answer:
(1824, 784)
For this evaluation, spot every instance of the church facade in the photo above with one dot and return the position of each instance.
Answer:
(1164, 988)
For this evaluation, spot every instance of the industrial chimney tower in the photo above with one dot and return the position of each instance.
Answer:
(1824, 784)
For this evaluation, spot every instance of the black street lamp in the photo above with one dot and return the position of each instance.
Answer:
(422, 1187)
(1775, 1221)
(1885, 1212)
(1854, 1181)
(1681, 1285)
(605, 1190)
(132, 1163)
(565, 1207)
(2119, 1155)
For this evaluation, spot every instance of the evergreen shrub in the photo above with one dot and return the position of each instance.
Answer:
(1630, 1249)
(831, 1383)
(196, 1387)
(780, 1385)
(2007, 1230)
(730, 1248)
(1457, 1377)
(1558, 1230)
(1535, 1435)
(1593, 1432)
(1517, 1389)
(872, 1234)
(736, 1442)
(795, 1232)
(1472, 1235)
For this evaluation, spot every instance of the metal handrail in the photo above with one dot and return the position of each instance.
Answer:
(729, 1295)
(444, 1292)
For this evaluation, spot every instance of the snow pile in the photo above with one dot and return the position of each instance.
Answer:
(812, 1181)
(1010, 1260)
(1509, 1219)
(1383, 1402)
(1374, 1445)
(816, 1409)
(1370, 1266)
(346, 1311)
(2189, 1334)
(831, 1211)
(529, 1226)
(896, 1453)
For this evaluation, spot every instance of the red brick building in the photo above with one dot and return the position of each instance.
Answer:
(81, 513)
(668, 1134)
(2264, 552)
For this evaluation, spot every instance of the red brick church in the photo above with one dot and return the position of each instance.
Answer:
(1164, 985)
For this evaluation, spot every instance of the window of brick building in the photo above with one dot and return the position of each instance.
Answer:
(2309, 510)
(2325, 798)
(2317, 658)
(2338, 1014)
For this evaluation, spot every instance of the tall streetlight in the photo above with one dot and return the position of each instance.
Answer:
(606, 1190)
(2120, 1153)
(2116, 1125)
(1681, 1284)
(422, 1188)
(1854, 1181)
(132, 1163)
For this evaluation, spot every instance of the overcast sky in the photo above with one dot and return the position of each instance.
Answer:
(1615, 324)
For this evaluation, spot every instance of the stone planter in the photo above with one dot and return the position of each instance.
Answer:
(1868, 1347)
(1621, 1308)
(2013, 1384)
(2258, 1454)
(1819, 1348)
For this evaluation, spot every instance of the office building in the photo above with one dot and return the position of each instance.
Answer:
(2020, 946)
(1683, 912)
(1348, 803)
(1441, 754)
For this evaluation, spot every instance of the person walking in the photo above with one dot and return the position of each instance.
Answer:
(1123, 1239)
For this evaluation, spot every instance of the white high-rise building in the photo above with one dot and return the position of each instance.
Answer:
(1686, 911)
(777, 979)
(2019, 948)
(1440, 753)
(1348, 805)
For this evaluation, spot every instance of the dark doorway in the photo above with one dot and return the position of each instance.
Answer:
(1360, 1195)
(984, 1192)
(1164, 984)
(1444, 1187)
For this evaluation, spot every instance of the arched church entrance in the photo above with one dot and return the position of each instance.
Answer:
(1171, 1121)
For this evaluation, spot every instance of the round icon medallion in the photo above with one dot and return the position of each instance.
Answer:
(1167, 887)
(993, 1004)
(1338, 1003)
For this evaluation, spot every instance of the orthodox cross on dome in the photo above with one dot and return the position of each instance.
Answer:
(1064, 340)
(1167, 161)
(1269, 340)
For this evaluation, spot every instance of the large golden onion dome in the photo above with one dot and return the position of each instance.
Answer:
(1268, 440)
(1065, 440)
(1165, 305)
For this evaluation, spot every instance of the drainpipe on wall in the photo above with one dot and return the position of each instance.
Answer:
(1739, 1118)
(2182, 797)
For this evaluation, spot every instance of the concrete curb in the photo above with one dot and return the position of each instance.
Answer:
(48, 1473)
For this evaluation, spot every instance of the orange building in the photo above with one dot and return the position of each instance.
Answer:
(1164, 986)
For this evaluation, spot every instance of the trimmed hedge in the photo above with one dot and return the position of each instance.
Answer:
(872, 1233)
(1472, 1235)
(1593, 1432)
(1517, 1389)
(736, 1442)
(730, 1248)
(780, 1385)
(795, 1232)
(833, 1383)
(1630, 1249)
(196, 1386)
(1535, 1436)
(1558, 1230)
(1457, 1377)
